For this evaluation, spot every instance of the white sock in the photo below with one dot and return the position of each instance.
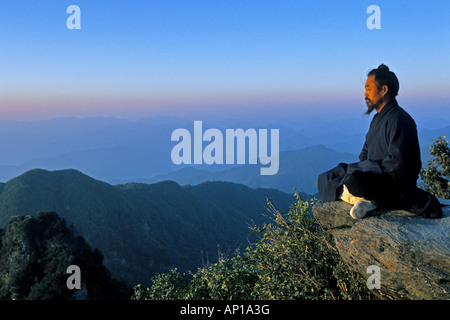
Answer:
(361, 208)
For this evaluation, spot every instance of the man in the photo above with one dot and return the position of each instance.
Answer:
(389, 165)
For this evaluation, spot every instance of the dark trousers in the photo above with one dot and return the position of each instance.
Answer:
(381, 189)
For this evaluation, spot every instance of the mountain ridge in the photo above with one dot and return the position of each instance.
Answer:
(111, 149)
(143, 228)
(299, 169)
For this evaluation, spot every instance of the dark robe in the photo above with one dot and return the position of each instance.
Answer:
(392, 153)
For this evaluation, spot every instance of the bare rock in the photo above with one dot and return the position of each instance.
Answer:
(412, 252)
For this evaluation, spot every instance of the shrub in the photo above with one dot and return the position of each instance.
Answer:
(294, 258)
(437, 174)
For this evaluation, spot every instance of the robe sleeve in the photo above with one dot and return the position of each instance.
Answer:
(363, 154)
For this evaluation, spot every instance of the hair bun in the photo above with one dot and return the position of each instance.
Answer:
(383, 67)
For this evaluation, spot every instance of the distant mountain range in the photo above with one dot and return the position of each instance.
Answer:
(154, 215)
(299, 169)
(144, 228)
(112, 150)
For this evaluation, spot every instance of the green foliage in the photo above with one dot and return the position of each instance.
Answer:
(295, 258)
(437, 174)
(225, 280)
(35, 253)
(142, 229)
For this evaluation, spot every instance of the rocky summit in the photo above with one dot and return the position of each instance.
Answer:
(411, 252)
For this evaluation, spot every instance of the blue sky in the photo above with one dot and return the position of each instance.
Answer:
(219, 57)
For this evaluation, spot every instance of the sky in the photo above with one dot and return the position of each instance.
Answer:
(217, 58)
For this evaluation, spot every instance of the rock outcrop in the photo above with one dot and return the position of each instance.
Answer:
(412, 252)
(35, 253)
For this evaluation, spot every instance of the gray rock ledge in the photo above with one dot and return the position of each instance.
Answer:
(412, 252)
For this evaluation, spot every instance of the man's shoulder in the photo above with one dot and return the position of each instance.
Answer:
(398, 114)
(398, 120)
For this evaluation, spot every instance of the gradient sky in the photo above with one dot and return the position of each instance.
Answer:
(145, 57)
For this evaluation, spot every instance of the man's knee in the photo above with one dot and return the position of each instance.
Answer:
(355, 183)
(371, 186)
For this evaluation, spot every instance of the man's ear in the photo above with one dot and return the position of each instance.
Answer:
(384, 90)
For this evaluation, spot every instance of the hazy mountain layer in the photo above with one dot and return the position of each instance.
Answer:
(115, 149)
(299, 169)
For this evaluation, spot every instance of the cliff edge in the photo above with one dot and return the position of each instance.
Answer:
(412, 252)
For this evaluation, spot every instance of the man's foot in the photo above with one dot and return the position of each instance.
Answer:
(346, 196)
(361, 208)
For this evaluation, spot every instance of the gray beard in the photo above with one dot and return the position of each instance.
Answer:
(370, 107)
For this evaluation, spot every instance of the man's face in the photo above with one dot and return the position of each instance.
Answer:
(373, 96)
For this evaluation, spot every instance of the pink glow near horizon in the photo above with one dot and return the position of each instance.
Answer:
(221, 104)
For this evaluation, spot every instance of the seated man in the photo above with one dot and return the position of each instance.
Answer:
(389, 165)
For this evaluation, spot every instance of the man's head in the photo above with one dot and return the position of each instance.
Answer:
(381, 86)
